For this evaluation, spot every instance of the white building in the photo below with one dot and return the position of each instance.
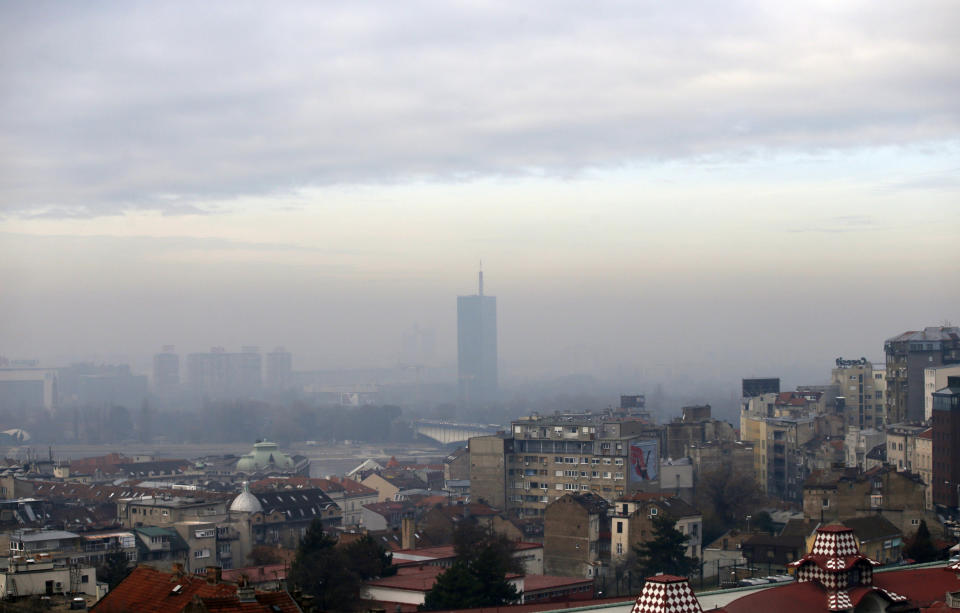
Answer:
(935, 378)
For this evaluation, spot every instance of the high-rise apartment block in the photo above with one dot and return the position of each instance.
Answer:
(862, 388)
(545, 457)
(279, 369)
(166, 370)
(946, 444)
(477, 348)
(779, 425)
(908, 355)
(219, 374)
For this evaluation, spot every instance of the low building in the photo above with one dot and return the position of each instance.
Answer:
(877, 538)
(44, 576)
(897, 496)
(529, 554)
(574, 527)
(148, 589)
(632, 523)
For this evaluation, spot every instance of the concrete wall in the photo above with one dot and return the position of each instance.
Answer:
(488, 470)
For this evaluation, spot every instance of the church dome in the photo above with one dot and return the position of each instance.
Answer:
(246, 502)
(266, 455)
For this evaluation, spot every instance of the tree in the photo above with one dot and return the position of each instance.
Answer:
(456, 588)
(263, 555)
(921, 547)
(470, 539)
(479, 576)
(725, 498)
(114, 569)
(321, 569)
(368, 559)
(666, 552)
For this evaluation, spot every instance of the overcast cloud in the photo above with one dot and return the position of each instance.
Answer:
(108, 106)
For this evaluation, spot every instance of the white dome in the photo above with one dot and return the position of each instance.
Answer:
(246, 502)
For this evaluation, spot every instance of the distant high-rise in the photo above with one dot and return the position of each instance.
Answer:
(166, 370)
(477, 348)
(279, 369)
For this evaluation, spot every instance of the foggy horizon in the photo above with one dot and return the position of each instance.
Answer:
(678, 192)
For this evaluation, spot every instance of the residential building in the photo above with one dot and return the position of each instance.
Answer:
(884, 491)
(477, 348)
(219, 374)
(279, 369)
(42, 576)
(549, 456)
(632, 523)
(923, 465)
(573, 526)
(902, 445)
(861, 387)
(167, 511)
(148, 589)
(877, 538)
(946, 444)
(456, 466)
(693, 427)
(908, 355)
(28, 388)
(778, 425)
(759, 387)
(161, 547)
(488, 469)
(166, 370)
(711, 456)
(858, 443)
(935, 378)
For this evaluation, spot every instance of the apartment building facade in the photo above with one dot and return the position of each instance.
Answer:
(548, 457)
(863, 388)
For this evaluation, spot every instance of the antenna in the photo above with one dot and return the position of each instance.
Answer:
(480, 276)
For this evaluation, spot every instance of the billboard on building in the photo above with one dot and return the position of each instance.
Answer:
(644, 461)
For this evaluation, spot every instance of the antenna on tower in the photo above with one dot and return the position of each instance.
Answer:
(480, 276)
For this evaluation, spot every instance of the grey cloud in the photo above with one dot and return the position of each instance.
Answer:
(113, 106)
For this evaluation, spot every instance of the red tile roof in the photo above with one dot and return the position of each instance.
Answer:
(535, 583)
(146, 590)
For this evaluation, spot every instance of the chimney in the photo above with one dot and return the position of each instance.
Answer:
(246, 594)
(214, 575)
(407, 541)
(178, 569)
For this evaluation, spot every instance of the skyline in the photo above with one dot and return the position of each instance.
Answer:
(747, 191)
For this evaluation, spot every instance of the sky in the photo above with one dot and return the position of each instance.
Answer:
(654, 189)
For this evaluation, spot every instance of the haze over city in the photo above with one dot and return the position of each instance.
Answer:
(752, 189)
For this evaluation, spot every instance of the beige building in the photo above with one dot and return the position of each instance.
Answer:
(935, 378)
(902, 446)
(778, 425)
(548, 457)
(863, 389)
(572, 528)
(632, 523)
(923, 465)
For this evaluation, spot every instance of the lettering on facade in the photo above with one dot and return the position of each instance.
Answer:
(841, 363)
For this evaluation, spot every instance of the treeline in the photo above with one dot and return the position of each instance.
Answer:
(215, 422)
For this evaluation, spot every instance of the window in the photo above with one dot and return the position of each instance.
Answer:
(85, 579)
(201, 553)
(618, 461)
(584, 487)
(619, 527)
(620, 548)
(558, 473)
(825, 503)
(595, 474)
(876, 501)
(558, 459)
(618, 475)
(914, 522)
(606, 475)
(654, 510)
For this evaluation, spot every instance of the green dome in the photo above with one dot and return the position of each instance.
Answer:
(265, 456)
